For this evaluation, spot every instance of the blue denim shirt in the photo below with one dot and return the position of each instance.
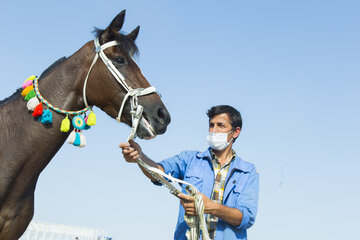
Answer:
(241, 189)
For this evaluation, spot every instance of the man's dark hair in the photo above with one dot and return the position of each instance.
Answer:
(234, 115)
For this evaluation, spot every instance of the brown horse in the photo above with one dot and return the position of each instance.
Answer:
(27, 146)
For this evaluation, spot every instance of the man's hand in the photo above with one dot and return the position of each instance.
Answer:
(131, 151)
(189, 205)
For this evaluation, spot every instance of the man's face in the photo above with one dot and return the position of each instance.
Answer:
(221, 124)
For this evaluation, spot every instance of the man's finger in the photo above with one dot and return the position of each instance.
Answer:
(185, 197)
(124, 145)
(190, 212)
(134, 145)
(133, 154)
(127, 150)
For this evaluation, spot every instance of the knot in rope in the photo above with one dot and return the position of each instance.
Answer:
(198, 222)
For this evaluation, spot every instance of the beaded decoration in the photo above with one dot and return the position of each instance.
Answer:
(35, 103)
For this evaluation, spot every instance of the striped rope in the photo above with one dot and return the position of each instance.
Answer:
(56, 109)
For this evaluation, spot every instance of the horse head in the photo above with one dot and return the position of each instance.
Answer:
(107, 90)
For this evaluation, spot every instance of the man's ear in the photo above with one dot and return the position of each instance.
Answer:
(236, 132)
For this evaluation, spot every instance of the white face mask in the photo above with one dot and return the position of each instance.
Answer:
(218, 141)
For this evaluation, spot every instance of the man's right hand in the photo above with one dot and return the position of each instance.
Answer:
(131, 151)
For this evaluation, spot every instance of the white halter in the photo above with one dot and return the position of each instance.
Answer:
(136, 109)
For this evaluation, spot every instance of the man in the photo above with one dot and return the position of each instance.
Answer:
(228, 184)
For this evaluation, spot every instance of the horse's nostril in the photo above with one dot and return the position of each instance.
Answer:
(163, 115)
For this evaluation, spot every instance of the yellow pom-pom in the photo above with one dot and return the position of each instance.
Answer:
(26, 90)
(65, 125)
(91, 121)
(31, 78)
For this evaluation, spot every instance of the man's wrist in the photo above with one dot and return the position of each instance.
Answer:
(215, 207)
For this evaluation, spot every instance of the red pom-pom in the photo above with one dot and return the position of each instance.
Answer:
(38, 110)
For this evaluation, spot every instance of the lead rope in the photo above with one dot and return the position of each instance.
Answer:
(195, 223)
(198, 222)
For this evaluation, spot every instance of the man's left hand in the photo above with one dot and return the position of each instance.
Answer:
(189, 205)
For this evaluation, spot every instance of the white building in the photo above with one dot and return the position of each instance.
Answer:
(49, 231)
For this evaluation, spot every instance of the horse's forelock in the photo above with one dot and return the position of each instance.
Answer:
(126, 43)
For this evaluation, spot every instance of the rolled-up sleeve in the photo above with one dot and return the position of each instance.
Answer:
(247, 202)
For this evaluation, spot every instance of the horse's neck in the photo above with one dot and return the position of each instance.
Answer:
(26, 145)
(64, 85)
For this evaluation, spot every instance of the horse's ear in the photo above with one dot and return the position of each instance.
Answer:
(133, 35)
(118, 22)
(113, 28)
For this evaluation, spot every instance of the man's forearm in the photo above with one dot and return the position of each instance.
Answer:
(232, 216)
(151, 163)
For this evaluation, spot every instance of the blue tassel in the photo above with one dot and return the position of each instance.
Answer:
(77, 140)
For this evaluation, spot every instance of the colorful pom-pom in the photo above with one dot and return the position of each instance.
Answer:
(78, 122)
(30, 95)
(65, 124)
(71, 138)
(31, 78)
(32, 103)
(27, 84)
(38, 110)
(91, 119)
(46, 117)
(27, 90)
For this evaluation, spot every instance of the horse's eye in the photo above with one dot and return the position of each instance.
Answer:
(119, 61)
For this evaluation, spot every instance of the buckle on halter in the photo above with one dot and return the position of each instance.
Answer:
(98, 49)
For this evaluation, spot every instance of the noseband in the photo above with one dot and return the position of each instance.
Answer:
(136, 109)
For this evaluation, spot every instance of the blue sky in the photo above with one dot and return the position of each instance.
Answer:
(290, 67)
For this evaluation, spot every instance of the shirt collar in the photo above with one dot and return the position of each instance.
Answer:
(237, 163)
(214, 158)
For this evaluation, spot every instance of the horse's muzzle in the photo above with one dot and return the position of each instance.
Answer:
(153, 124)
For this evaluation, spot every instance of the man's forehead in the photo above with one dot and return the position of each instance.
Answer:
(220, 118)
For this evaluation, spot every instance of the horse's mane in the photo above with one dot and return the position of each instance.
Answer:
(52, 67)
(128, 44)
(43, 74)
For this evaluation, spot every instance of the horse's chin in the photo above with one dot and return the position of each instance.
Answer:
(145, 130)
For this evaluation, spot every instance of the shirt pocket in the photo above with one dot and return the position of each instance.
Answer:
(237, 189)
(194, 178)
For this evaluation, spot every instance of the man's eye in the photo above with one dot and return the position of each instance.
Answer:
(119, 61)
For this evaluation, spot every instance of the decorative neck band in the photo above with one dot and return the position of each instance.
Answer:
(32, 94)
(56, 109)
